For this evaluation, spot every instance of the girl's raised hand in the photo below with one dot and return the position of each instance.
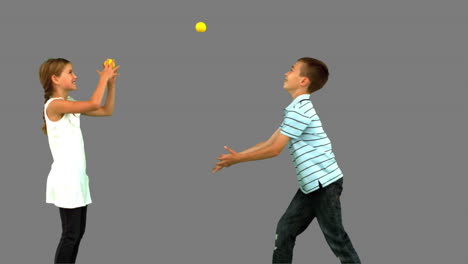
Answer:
(108, 72)
(111, 81)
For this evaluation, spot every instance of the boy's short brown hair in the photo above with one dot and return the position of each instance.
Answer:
(316, 71)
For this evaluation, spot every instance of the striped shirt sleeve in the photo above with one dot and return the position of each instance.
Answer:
(281, 125)
(296, 120)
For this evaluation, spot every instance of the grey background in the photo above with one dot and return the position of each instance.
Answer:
(394, 108)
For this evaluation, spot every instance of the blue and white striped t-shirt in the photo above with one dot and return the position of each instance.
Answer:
(309, 146)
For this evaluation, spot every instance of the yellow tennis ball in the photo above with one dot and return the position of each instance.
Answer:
(200, 27)
(109, 62)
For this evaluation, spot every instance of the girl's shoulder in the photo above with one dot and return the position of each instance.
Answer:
(50, 100)
(62, 117)
(69, 98)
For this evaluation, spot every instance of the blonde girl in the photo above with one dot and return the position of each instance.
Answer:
(67, 182)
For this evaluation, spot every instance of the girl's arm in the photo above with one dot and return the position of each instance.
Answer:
(108, 107)
(65, 106)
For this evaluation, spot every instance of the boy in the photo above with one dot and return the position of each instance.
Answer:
(320, 179)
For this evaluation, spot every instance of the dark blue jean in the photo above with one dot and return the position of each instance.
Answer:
(323, 204)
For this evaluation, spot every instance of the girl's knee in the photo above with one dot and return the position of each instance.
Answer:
(72, 236)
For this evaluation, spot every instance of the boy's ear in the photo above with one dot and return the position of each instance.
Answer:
(305, 82)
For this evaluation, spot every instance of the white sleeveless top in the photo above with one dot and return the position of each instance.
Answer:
(67, 183)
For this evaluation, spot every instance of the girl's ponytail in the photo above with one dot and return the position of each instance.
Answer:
(48, 68)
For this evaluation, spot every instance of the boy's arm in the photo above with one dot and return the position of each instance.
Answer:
(268, 149)
(272, 149)
(251, 149)
(263, 144)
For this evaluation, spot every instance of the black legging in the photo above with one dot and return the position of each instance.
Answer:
(73, 228)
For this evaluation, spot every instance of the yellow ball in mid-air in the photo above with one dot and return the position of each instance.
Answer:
(200, 27)
(109, 62)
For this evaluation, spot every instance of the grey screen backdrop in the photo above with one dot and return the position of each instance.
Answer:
(394, 109)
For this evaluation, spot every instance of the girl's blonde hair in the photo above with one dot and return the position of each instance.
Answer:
(48, 68)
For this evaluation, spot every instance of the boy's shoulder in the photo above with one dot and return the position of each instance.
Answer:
(302, 107)
(302, 104)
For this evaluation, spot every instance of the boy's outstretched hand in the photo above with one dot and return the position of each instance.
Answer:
(226, 160)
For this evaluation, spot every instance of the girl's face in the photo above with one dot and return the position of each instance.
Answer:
(67, 79)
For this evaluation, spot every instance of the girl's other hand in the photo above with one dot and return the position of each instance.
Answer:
(108, 73)
(111, 80)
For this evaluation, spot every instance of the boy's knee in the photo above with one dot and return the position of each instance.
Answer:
(284, 227)
(283, 235)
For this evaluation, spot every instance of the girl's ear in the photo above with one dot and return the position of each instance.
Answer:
(54, 79)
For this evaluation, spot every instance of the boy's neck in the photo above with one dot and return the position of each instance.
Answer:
(298, 92)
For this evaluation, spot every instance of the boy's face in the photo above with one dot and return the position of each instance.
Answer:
(67, 79)
(293, 80)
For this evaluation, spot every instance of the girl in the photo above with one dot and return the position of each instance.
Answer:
(67, 182)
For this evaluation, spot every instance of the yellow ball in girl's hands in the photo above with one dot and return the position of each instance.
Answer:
(200, 27)
(109, 62)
